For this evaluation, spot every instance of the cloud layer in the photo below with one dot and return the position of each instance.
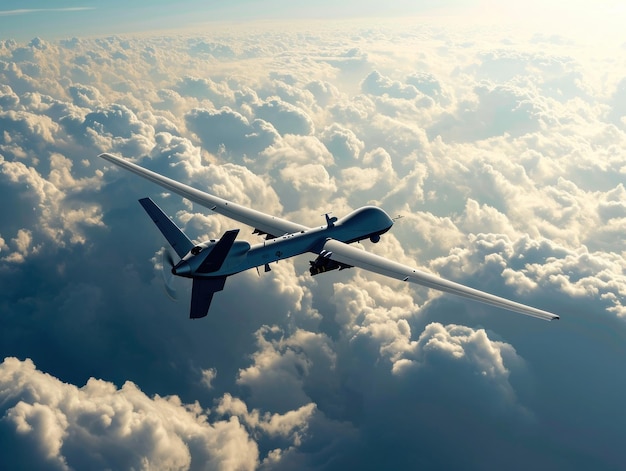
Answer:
(503, 155)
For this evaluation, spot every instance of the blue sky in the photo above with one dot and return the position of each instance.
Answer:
(25, 20)
(502, 149)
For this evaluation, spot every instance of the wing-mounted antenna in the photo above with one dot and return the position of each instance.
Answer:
(330, 221)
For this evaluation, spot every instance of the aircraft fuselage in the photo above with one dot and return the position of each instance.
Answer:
(368, 222)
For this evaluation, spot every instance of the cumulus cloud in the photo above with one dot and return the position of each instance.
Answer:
(285, 117)
(376, 84)
(49, 202)
(229, 130)
(342, 143)
(496, 109)
(425, 83)
(503, 156)
(324, 92)
(205, 88)
(101, 426)
(290, 362)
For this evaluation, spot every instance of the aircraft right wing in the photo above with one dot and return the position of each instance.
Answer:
(350, 255)
(262, 223)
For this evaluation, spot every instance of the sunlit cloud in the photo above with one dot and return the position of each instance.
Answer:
(501, 150)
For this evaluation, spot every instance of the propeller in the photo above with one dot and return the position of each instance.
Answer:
(167, 263)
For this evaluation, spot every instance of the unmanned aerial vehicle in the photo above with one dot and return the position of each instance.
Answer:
(209, 263)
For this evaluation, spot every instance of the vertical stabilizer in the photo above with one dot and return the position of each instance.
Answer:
(203, 287)
(219, 252)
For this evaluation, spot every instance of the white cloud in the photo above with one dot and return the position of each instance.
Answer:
(208, 376)
(59, 220)
(289, 425)
(342, 143)
(23, 241)
(376, 84)
(102, 426)
(285, 117)
(231, 130)
(457, 343)
(503, 152)
(311, 184)
(284, 365)
(204, 88)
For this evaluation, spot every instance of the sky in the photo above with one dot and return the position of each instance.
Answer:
(25, 20)
(501, 147)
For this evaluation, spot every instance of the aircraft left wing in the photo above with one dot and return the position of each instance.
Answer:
(350, 255)
(261, 222)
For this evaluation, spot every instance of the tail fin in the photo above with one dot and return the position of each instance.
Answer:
(176, 238)
(204, 288)
(219, 252)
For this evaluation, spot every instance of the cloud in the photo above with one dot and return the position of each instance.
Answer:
(311, 184)
(100, 426)
(48, 201)
(324, 92)
(231, 131)
(85, 96)
(204, 88)
(559, 77)
(342, 143)
(497, 110)
(208, 376)
(215, 49)
(8, 99)
(283, 367)
(618, 110)
(286, 118)
(376, 84)
(502, 153)
(425, 83)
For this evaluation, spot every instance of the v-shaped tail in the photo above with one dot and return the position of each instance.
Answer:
(176, 238)
(204, 287)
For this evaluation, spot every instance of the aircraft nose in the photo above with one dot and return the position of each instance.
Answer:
(182, 269)
(386, 221)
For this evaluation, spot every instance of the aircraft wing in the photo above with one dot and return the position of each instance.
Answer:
(350, 255)
(261, 222)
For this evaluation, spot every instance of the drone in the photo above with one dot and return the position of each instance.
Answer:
(210, 263)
